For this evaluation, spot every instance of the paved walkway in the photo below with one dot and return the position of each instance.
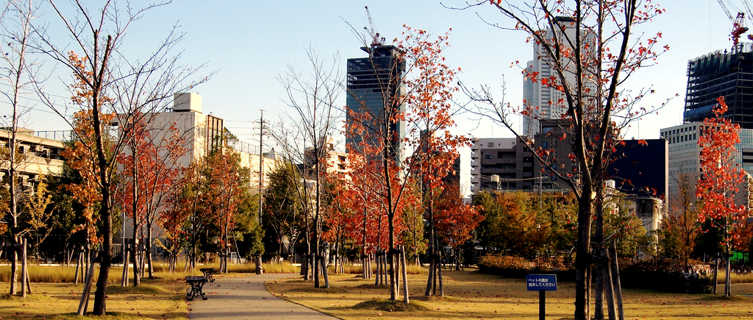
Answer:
(246, 298)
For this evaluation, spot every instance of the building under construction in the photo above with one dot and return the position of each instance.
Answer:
(727, 73)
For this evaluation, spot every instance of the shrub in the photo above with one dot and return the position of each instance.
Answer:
(517, 267)
(357, 269)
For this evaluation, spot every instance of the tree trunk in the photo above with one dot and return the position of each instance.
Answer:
(398, 272)
(727, 281)
(364, 263)
(149, 248)
(28, 282)
(78, 265)
(391, 259)
(406, 295)
(13, 265)
(716, 272)
(439, 274)
(616, 283)
(430, 283)
(582, 255)
(259, 264)
(82, 305)
(378, 277)
(24, 270)
(598, 287)
(609, 284)
(304, 267)
(124, 277)
(430, 279)
(324, 272)
(135, 258)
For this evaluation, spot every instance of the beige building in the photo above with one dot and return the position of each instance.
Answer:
(337, 162)
(38, 156)
(270, 162)
(201, 132)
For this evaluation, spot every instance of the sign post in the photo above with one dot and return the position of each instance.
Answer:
(541, 283)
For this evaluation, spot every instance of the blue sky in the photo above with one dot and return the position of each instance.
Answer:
(250, 43)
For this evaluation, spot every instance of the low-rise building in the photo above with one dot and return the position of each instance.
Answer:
(37, 156)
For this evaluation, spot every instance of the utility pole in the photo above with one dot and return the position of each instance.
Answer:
(261, 161)
(259, 267)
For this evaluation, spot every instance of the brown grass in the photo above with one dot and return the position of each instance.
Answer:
(155, 299)
(471, 295)
(65, 274)
(358, 269)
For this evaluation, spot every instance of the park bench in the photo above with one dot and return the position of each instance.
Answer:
(209, 273)
(196, 287)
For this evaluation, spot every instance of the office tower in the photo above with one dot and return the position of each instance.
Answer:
(545, 101)
(374, 84)
(727, 73)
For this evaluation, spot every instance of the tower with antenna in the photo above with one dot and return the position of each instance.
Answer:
(373, 83)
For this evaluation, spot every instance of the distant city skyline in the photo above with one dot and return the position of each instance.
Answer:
(248, 45)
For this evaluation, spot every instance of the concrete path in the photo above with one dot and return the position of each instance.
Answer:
(247, 298)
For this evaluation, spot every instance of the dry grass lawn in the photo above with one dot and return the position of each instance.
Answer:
(155, 299)
(471, 295)
(54, 297)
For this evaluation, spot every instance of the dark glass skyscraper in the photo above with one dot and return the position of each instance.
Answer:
(727, 73)
(373, 85)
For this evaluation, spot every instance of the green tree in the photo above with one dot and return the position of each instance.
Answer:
(281, 210)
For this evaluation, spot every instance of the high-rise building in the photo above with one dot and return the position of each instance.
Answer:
(373, 84)
(727, 73)
(546, 101)
(684, 156)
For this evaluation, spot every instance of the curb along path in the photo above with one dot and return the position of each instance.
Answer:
(247, 298)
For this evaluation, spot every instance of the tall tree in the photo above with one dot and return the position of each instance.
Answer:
(422, 103)
(719, 183)
(591, 49)
(17, 69)
(150, 167)
(313, 98)
(227, 182)
(96, 33)
(282, 208)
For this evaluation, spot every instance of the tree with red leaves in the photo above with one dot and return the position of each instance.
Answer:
(226, 180)
(719, 182)
(591, 50)
(96, 32)
(455, 220)
(150, 167)
(424, 104)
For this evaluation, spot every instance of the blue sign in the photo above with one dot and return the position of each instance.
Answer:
(541, 282)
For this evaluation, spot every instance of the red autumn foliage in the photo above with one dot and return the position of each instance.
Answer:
(721, 177)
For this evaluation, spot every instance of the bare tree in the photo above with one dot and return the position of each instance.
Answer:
(149, 89)
(116, 83)
(15, 72)
(313, 98)
(592, 50)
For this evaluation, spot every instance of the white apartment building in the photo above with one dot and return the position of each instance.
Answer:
(37, 157)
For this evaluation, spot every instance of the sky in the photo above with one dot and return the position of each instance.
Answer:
(247, 45)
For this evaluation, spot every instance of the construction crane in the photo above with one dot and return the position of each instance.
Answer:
(376, 40)
(738, 22)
